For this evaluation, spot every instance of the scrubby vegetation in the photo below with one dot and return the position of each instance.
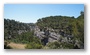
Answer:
(23, 33)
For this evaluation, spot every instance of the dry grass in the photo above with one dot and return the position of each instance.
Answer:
(17, 46)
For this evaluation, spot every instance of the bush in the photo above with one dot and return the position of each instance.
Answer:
(33, 45)
(58, 45)
(54, 45)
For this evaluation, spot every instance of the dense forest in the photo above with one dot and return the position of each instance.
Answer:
(53, 32)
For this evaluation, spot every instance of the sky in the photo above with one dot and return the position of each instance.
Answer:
(30, 13)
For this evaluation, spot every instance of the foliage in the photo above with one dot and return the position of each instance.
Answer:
(69, 25)
(54, 45)
(59, 45)
(19, 32)
(33, 45)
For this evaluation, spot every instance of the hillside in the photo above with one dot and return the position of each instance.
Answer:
(53, 32)
(65, 29)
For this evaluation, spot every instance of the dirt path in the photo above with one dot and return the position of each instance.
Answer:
(17, 46)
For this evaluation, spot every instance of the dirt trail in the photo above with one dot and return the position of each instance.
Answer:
(17, 46)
